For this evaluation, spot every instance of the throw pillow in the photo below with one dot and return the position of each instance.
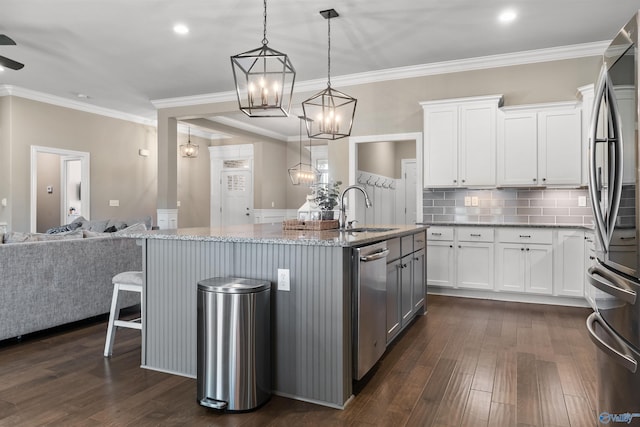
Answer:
(89, 234)
(132, 229)
(16, 237)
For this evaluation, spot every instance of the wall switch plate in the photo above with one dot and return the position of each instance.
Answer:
(467, 201)
(283, 279)
(114, 202)
(178, 203)
(474, 201)
(582, 201)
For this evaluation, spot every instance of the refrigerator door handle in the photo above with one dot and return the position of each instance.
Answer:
(624, 358)
(611, 284)
(595, 172)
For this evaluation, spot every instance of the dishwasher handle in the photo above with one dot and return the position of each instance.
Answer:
(375, 256)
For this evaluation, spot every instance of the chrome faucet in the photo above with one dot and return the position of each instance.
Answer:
(342, 220)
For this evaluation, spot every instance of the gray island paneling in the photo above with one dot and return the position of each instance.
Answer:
(311, 323)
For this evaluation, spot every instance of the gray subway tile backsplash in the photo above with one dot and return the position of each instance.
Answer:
(508, 206)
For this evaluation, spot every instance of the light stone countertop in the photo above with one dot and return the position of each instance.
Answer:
(475, 224)
(274, 234)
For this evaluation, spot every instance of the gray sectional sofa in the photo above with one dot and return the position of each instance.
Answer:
(57, 281)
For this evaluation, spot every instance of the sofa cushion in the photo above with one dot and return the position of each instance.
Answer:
(76, 234)
(64, 228)
(135, 228)
(16, 237)
(89, 234)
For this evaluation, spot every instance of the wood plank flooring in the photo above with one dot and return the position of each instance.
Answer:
(466, 363)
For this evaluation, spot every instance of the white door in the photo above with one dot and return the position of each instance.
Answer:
(237, 197)
(441, 146)
(518, 148)
(440, 264)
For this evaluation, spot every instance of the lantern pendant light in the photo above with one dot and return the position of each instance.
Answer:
(303, 173)
(329, 113)
(189, 150)
(264, 79)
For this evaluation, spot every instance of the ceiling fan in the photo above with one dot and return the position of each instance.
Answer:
(6, 62)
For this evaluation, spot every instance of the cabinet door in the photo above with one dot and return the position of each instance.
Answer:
(475, 265)
(419, 288)
(539, 269)
(510, 267)
(559, 147)
(569, 267)
(393, 299)
(589, 261)
(440, 264)
(441, 146)
(406, 289)
(517, 148)
(477, 137)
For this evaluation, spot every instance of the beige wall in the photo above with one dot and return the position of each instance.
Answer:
(5, 157)
(48, 203)
(393, 106)
(194, 185)
(117, 171)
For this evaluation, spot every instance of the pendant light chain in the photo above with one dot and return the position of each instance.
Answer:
(329, 52)
(264, 32)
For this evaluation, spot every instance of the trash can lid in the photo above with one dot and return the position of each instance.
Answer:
(233, 285)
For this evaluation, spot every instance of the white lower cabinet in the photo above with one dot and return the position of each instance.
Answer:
(474, 258)
(440, 257)
(525, 260)
(569, 263)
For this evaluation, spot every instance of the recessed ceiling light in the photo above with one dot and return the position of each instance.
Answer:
(180, 29)
(507, 16)
(82, 96)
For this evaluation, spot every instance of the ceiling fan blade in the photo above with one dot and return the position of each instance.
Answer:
(10, 63)
(6, 40)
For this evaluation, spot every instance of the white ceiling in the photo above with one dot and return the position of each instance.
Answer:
(123, 53)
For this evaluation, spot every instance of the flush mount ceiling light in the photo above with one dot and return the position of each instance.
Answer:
(329, 113)
(264, 79)
(303, 173)
(189, 150)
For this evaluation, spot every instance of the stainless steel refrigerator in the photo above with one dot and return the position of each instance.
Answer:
(613, 185)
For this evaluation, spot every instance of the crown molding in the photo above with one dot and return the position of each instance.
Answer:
(9, 90)
(479, 63)
(196, 131)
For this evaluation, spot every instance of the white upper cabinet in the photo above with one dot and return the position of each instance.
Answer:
(540, 145)
(460, 142)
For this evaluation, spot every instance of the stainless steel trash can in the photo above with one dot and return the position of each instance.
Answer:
(234, 345)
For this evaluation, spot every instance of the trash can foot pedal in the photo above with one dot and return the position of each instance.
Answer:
(213, 403)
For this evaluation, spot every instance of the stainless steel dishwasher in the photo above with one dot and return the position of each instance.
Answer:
(369, 300)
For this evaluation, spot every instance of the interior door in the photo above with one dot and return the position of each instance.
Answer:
(410, 182)
(237, 197)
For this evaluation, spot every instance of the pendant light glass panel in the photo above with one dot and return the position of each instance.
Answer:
(189, 150)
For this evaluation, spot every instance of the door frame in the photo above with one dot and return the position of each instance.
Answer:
(217, 155)
(353, 157)
(85, 162)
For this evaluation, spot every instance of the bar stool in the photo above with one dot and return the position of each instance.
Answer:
(126, 281)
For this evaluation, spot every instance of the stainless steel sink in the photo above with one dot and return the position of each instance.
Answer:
(368, 229)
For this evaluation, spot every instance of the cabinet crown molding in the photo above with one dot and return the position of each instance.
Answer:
(469, 99)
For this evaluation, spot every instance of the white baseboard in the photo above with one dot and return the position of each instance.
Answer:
(509, 297)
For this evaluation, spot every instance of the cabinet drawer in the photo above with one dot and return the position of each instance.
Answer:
(394, 249)
(440, 233)
(525, 235)
(407, 245)
(418, 241)
(475, 234)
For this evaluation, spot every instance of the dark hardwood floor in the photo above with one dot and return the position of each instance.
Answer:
(466, 363)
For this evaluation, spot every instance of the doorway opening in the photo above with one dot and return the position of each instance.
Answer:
(402, 190)
(60, 187)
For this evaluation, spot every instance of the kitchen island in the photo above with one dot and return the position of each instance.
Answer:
(311, 324)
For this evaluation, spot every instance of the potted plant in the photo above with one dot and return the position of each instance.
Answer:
(326, 197)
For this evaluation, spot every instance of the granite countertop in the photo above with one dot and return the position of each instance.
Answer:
(475, 224)
(274, 234)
